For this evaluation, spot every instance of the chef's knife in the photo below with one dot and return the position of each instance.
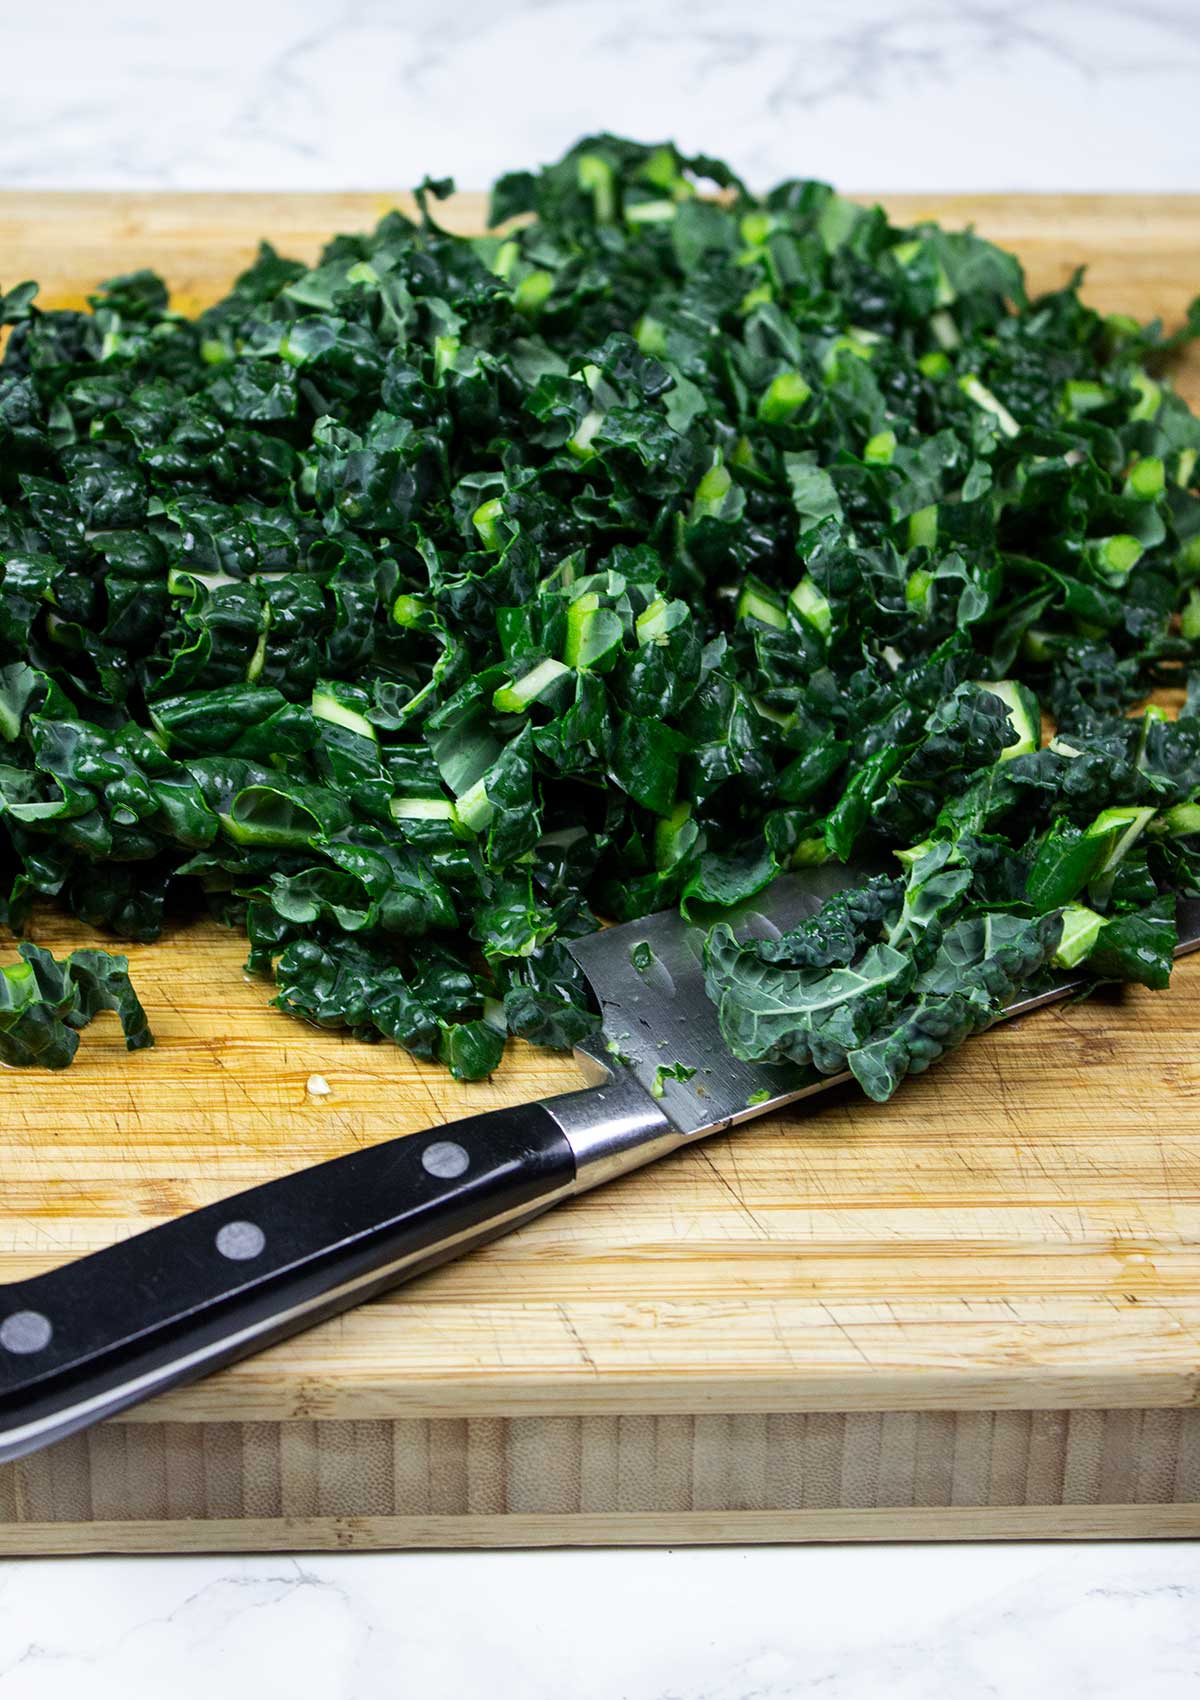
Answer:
(167, 1306)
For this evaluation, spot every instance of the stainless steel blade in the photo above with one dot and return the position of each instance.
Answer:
(660, 1015)
(656, 1018)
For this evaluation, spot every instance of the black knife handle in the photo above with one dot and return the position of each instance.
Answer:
(175, 1302)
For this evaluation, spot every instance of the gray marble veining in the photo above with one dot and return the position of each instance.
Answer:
(1011, 94)
(926, 1623)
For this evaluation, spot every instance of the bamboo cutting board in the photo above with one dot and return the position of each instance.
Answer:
(974, 1311)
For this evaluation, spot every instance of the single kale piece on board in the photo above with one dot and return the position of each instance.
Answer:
(44, 1003)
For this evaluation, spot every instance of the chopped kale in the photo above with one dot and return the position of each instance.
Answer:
(417, 608)
(44, 1003)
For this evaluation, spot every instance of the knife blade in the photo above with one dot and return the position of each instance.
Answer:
(659, 1014)
(164, 1307)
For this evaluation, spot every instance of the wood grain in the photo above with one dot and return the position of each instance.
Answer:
(643, 1529)
(1008, 1248)
(528, 1481)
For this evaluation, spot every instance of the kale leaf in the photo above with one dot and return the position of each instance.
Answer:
(416, 608)
(44, 1003)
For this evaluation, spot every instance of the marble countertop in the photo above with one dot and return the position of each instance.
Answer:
(766, 1623)
(340, 94)
(323, 94)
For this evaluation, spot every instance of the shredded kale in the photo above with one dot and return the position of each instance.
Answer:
(415, 609)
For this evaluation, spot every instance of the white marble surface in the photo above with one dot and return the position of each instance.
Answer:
(987, 94)
(883, 1623)
(886, 94)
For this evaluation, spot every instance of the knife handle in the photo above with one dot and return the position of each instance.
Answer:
(166, 1306)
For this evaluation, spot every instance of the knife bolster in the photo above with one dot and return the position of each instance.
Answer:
(612, 1128)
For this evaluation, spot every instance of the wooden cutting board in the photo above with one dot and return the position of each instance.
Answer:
(974, 1311)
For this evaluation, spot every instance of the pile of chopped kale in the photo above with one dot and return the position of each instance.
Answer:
(415, 610)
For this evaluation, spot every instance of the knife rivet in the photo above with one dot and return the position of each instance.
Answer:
(240, 1240)
(445, 1159)
(25, 1331)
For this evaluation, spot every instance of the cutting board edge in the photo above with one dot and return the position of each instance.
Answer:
(624, 1529)
(581, 1480)
(1084, 1387)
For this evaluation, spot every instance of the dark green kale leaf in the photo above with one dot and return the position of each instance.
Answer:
(980, 963)
(44, 1003)
(417, 607)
